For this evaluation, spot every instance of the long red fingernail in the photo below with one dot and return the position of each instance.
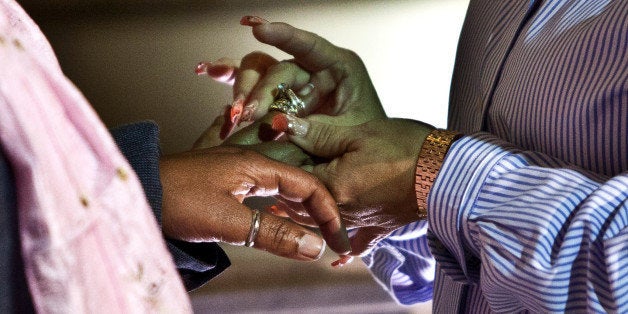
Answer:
(236, 110)
(280, 123)
(251, 20)
(342, 261)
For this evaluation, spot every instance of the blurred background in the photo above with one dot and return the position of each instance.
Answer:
(135, 59)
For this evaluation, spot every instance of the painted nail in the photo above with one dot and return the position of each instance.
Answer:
(201, 68)
(280, 123)
(342, 261)
(311, 247)
(296, 126)
(306, 90)
(273, 209)
(248, 112)
(221, 72)
(236, 110)
(251, 20)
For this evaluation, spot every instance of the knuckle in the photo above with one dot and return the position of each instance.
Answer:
(252, 56)
(322, 137)
(280, 234)
(343, 194)
(283, 66)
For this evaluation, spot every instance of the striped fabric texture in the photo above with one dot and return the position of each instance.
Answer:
(529, 212)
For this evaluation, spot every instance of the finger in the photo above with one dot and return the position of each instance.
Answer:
(311, 51)
(284, 238)
(255, 132)
(253, 66)
(222, 70)
(294, 211)
(320, 139)
(218, 131)
(211, 136)
(299, 186)
(274, 234)
(286, 72)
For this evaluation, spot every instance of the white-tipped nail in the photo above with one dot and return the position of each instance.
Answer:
(306, 90)
(297, 126)
(311, 247)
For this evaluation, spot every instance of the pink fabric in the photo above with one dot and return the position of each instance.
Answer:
(89, 240)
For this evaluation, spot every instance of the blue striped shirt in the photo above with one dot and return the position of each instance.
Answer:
(530, 210)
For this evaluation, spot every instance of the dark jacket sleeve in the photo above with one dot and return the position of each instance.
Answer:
(14, 294)
(197, 262)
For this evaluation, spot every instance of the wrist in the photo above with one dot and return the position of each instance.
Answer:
(431, 156)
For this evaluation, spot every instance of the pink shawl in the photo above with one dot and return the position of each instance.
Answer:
(90, 242)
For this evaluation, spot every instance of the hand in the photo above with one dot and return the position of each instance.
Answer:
(370, 173)
(203, 192)
(260, 137)
(333, 82)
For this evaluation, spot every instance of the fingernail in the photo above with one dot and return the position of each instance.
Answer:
(273, 209)
(201, 68)
(311, 247)
(280, 123)
(251, 20)
(236, 110)
(249, 111)
(342, 261)
(306, 90)
(296, 126)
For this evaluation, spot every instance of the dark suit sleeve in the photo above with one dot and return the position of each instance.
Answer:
(14, 294)
(197, 262)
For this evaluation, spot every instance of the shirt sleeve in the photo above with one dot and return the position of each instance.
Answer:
(403, 265)
(196, 262)
(544, 235)
(534, 232)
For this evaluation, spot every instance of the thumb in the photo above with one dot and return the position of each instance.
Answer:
(317, 138)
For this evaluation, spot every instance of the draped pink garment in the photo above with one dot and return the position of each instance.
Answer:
(89, 240)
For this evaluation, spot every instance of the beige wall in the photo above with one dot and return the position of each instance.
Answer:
(134, 60)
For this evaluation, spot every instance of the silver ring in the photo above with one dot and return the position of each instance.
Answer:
(255, 222)
(287, 101)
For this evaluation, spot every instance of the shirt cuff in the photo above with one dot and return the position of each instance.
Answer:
(453, 194)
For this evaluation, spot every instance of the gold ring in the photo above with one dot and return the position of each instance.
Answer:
(287, 101)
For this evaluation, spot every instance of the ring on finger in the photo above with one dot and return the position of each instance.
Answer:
(287, 101)
(255, 223)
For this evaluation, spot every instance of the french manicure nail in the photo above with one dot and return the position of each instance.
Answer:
(249, 111)
(311, 247)
(251, 20)
(296, 126)
(306, 90)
